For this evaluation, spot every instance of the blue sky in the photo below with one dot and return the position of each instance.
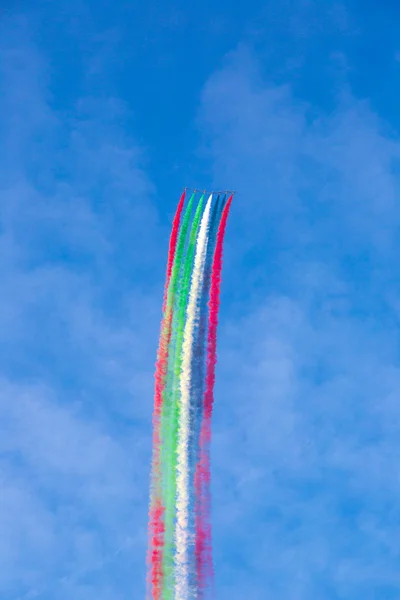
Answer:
(109, 109)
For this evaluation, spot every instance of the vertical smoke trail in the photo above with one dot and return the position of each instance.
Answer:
(182, 501)
(173, 292)
(198, 375)
(156, 528)
(203, 538)
(173, 403)
(199, 351)
(179, 555)
(172, 251)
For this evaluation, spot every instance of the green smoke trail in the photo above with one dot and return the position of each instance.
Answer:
(171, 403)
(173, 291)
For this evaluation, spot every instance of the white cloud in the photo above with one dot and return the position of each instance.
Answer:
(293, 165)
(306, 426)
(306, 421)
(77, 339)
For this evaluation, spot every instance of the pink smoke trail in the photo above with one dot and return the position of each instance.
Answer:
(156, 515)
(205, 571)
(172, 243)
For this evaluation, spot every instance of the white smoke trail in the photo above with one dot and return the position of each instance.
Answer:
(182, 502)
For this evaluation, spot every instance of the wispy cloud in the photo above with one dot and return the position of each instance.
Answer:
(305, 482)
(306, 418)
(78, 334)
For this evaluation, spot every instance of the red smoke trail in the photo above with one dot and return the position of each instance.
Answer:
(156, 516)
(203, 475)
(172, 244)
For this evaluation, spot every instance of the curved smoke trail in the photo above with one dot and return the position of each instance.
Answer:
(203, 526)
(179, 554)
(156, 528)
(173, 407)
(198, 375)
(167, 408)
(182, 500)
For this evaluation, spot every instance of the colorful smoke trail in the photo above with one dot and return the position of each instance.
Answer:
(180, 544)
